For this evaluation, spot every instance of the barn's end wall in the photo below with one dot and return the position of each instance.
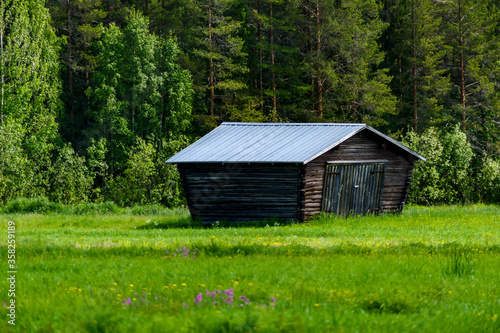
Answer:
(241, 192)
(363, 146)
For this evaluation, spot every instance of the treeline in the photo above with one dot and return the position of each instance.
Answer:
(97, 94)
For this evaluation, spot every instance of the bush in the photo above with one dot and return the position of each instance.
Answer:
(71, 181)
(38, 205)
(446, 176)
(488, 181)
(95, 208)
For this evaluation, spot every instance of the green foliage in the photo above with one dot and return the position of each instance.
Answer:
(135, 186)
(39, 205)
(488, 180)
(29, 101)
(14, 164)
(446, 176)
(420, 81)
(426, 175)
(108, 79)
(142, 107)
(70, 179)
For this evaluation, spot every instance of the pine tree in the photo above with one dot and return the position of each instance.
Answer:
(343, 56)
(221, 48)
(416, 63)
(472, 59)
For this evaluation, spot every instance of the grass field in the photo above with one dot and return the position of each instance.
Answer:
(427, 270)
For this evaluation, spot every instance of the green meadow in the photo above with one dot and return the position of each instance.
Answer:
(426, 270)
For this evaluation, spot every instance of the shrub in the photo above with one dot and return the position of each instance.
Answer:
(31, 205)
(488, 180)
(71, 181)
(446, 176)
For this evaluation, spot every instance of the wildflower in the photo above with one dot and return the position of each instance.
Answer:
(126, 301)
(132, 285)
(242, 297)
(273, 299)
(250, 284)
(198, 298)
(185, 305)
(115, 283)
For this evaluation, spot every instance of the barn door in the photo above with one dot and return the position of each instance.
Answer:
(353, 187)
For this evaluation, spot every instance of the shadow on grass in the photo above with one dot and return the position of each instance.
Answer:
(185, 222)
(188, 223)
(216, 248)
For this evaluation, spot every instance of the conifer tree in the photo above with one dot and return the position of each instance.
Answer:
(416, 63)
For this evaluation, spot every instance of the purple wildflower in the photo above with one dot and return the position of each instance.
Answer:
(242, 297)
(247, 301)
(126, 301)
(273, 299)
(198, 298)
(185, 305)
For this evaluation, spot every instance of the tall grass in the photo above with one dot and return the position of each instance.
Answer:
(428, 270)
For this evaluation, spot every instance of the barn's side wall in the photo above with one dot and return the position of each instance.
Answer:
(241, 192)
(363, 146)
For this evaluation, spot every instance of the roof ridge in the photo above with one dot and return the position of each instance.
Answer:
(291, 124)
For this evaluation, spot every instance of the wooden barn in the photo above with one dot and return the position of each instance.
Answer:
(256, 171)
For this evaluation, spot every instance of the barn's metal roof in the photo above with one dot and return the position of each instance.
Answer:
(271, 142)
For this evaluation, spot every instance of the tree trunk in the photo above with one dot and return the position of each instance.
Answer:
(211, 61)
(273, 77)
(259, 43)
(310, 41)
(414, 68)
(70, 58)
(462, 65)
(319, 83)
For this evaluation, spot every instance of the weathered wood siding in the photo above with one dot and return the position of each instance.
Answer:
(241, 192)
(362, 146)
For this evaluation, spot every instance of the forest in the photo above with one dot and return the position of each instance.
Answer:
(97, 94)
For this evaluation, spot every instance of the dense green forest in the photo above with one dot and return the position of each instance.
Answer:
(97, 94)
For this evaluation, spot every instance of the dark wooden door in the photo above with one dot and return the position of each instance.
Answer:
(353, 187)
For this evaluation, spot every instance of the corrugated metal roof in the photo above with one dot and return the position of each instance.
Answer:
(270, 142)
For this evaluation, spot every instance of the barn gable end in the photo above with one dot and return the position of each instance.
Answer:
(363, 146)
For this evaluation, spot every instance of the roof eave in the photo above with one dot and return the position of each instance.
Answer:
(397, 143)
